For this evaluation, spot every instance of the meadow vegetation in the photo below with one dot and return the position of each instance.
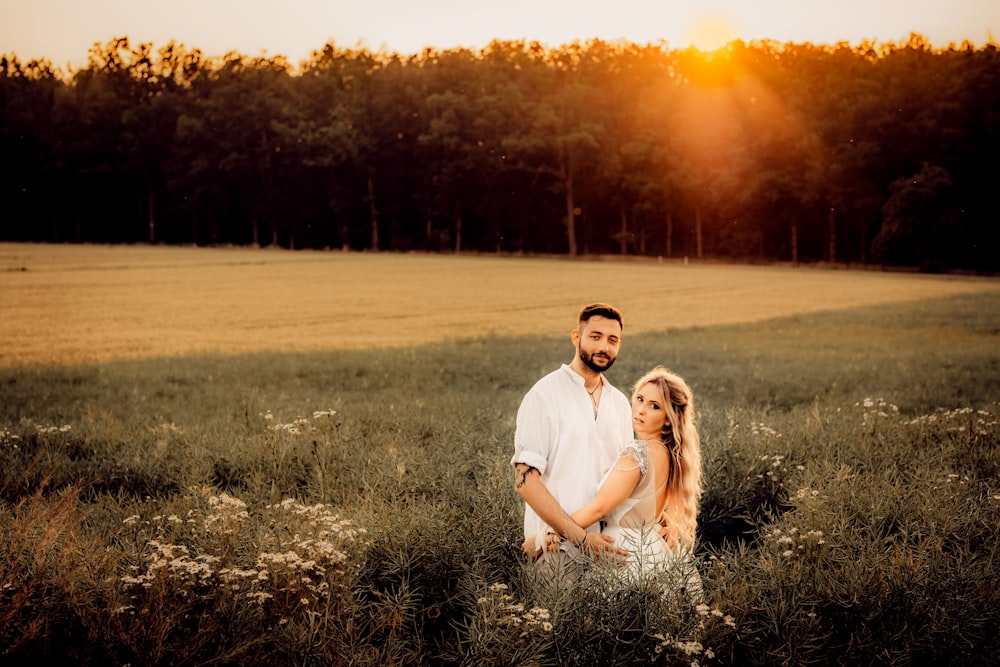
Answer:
(356, 506)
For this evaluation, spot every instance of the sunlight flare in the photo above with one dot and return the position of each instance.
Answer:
(711, 32)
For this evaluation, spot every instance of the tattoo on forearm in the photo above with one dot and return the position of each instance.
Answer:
(522, 475)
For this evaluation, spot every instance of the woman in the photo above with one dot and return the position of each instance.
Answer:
(649, 498)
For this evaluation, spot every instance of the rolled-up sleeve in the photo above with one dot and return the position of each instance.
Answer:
(534, 433)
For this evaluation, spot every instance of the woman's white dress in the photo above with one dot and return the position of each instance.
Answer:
(634, 526)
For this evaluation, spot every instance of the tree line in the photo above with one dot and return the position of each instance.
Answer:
(870, 153)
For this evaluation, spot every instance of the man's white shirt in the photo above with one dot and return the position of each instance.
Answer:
(556, 432)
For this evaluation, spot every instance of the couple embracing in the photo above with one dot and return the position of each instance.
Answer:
(604, 476)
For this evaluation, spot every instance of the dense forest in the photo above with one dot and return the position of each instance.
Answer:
(873, 153)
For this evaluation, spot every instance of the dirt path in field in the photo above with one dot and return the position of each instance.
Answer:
(66, 304)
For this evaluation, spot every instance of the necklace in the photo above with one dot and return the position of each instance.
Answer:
(591, 392)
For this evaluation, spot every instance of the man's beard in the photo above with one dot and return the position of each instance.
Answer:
(595, 364)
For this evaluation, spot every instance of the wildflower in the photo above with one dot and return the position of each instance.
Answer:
(787, 553)
(236, 573)
(145, 580)
(128, 521)
(690, 648)
(540, 612)
(52, 429)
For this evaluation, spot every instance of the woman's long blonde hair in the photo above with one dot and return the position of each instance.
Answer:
(680, 436)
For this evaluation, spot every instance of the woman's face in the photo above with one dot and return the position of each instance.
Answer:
(648, 415)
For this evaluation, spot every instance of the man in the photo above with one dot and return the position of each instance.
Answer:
(570, 429)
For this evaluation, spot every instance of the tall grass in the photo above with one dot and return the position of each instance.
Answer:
(357, 507)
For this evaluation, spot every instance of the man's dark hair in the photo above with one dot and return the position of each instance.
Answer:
(602, 310)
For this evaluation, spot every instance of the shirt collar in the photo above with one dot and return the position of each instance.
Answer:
(577, 378)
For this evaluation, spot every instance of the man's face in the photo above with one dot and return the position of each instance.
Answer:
(598, 342)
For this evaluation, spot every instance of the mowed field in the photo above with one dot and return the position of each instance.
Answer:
(67, 304)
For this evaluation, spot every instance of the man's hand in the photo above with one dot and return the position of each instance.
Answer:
(549, 541)
(529, 548)
(668, 532)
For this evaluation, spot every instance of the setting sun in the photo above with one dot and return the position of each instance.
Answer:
(711, 32)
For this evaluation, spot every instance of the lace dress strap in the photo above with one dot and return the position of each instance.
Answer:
(639, 451)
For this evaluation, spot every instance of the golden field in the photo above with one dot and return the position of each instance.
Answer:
(67, 304)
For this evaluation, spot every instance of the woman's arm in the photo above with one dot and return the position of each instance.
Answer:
(529, 486)
(621, 481)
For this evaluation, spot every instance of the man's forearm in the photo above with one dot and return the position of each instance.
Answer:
(528, 484)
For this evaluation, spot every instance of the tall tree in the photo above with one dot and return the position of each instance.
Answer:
(919, 224)
(562, 137)
(238, 155)
(29, 93)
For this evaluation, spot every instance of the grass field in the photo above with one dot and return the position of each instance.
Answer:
(67, 304)
(186, 479)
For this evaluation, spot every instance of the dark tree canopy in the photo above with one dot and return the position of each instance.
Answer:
(761, 151)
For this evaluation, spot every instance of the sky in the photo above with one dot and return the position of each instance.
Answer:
(63, 31)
